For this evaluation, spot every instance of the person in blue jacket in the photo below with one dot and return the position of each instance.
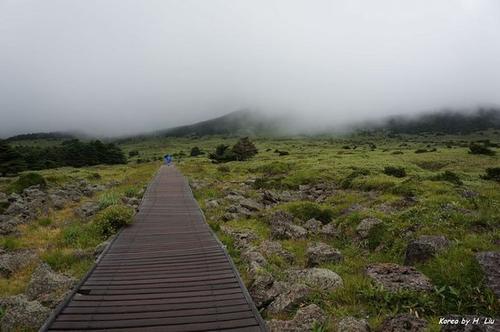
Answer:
(168, 159)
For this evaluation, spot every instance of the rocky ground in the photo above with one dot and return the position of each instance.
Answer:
(24, 213)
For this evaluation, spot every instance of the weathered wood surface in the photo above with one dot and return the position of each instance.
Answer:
(165, 272)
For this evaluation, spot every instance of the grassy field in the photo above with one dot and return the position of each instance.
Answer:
(354, 167)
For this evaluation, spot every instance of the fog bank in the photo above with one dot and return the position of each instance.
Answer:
(117, 67)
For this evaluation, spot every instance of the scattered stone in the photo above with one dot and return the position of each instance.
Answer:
(22, 314)
(290, 298)
(394, 277)
(404, 322)
(320, 278)
(13, 261)
(313, 226)
(305, 319)
(212, 204)
(262, 290)
(353, 208)
(287, 231)
(364, 227)
(490, 263)
(275, 248)
(87, 210)
(254, 259)
(329, 230)
(242, 239)
(58, 202)
(270, 198)
(8, 224)
(250, 205)
(320, 253)
(351, 324)
(424, 248)
(469, 194)
(47, 286)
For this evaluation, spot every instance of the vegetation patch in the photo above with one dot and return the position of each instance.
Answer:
(27, 180)
(308, 210)
(398, 172)
(448, 176)
(492, 173)
(478, 148)
(112, 218)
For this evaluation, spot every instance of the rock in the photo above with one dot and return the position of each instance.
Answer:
(242, 239)
(319, 278)
(490, 263)
(235, 196)
(313, 226)
(3, 197)
(254, 259)
(47, 286)
(305, 319)
(453, 323)
(87, 210)
(404, 322)
(57, 201)
(364, 227)
(424, 248)
(270, 198)
(274, 248)
(290, 298)
(13, 261)
(250, 205)
(262, 291)
(351, 324)
(8, 224)
(394, 277)
(287, 231)
(329, 230)
(320, 253)
(282, 226)
(22, 314)
(212, 204)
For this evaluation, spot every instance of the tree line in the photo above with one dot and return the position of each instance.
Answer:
(75, 153)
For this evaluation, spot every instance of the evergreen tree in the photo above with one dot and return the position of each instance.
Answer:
(244, 149)
(11, 162)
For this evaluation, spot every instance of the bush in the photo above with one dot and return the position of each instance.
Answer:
(27, 180)
(222, 154)
(195, 151)
(492, 173)
(309, 210)
(476, 148)
(347, 182)
(244, 149)
(273, 168)
(448, 176)
(133, 153)
(111, 219)
(398, 172)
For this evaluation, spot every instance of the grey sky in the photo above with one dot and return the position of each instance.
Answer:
(120, 66)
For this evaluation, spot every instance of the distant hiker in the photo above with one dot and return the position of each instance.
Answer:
(168, 159)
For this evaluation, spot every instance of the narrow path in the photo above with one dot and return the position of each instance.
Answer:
(165, 272)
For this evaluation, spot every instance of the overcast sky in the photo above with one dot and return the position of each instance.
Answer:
(116, 66)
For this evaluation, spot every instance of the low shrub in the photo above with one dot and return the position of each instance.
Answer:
(492, 173)
(347, 182)
(477, 148)
(195, 151)
(111, 219)
(274, 168)
(448, 176)
(27, 180)
(309, 210)
(398, 172)
(133, 153)
(45, 222)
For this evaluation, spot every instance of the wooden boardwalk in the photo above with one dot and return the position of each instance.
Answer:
(165, 272)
